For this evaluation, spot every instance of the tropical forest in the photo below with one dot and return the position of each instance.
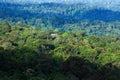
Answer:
(59, 40)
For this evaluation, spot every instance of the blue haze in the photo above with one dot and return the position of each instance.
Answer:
(109, 4)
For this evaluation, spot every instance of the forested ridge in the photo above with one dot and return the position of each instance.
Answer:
(29, 53)
(56, 41)
(63, 17)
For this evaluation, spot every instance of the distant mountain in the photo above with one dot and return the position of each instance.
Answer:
(56, 13)
(102, 14)
(62, 16)
(64, 11)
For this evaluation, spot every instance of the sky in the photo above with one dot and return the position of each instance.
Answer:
(106, 3)
(68, 1)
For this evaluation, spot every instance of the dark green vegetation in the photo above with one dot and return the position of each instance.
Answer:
(68, 42)
(28, 53)
(63, 17)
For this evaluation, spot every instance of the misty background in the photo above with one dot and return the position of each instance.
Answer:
(110, 4)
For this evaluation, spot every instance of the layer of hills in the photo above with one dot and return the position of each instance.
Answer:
(63, 17)
(48, 10)
(53, 41)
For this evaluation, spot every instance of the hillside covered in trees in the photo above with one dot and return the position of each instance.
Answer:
(63, 17)
(28, 53)
(56, 41)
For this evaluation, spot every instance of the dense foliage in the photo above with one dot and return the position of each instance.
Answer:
(28, 53)
(63, 17)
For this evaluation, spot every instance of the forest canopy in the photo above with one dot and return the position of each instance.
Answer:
(59, 41)
(28, 53)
